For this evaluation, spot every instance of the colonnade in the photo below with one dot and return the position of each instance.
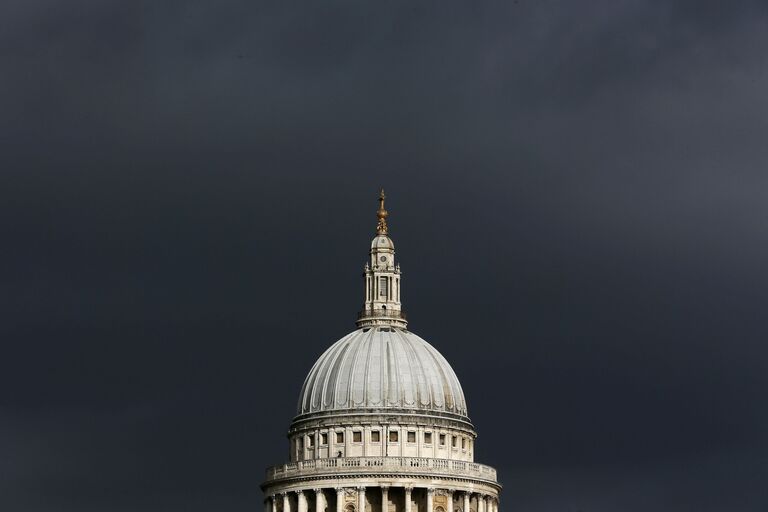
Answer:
(484, 502)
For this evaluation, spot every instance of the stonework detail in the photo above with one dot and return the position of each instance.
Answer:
(382, 422)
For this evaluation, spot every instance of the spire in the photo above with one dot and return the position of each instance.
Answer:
(381, 228)
(382, 279)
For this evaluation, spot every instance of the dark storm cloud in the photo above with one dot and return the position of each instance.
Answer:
(577, 197)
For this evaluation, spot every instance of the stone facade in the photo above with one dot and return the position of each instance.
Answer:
(382, 423)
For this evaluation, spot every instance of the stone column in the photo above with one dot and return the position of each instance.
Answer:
(361, 499)
(286, 503)
(430, 500)
(466, 502)
(319, 500)
(274, 503)
(384, 498)
(302, 501)
(268, 504)
(408, 499)
(449, 494)
(339, 499)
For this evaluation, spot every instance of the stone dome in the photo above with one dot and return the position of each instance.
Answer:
(383, 369)
(382, 242)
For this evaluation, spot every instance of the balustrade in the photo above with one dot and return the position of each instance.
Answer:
(382, 464)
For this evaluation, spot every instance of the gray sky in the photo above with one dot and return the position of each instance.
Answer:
(576, 192)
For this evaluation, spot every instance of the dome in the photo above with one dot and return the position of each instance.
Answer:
(382, 368)
(382, 242)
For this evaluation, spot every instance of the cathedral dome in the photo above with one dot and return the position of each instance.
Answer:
(382, 369)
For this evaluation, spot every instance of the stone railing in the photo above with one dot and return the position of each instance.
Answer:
(362, 465)
(381, 313)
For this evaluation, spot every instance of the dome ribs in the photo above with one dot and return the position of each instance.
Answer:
(417, 369)
(444, 391)
(331, 374)
(382, 368)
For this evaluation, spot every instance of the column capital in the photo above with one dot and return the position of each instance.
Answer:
(431, 490)
(408, 488)
(360, 488)
(299, 492)
(317, 490)
(384, 486)
(284, 494)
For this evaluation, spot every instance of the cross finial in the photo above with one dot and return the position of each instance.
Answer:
(381, 228)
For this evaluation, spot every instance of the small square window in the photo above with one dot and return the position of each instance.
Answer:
(310, 441)
(323, 438)
(442, 439)
(453, 441)
(411, 436)
(339, 437)
(427, 437)
(357, 436)
(393, 436)
(375, 436)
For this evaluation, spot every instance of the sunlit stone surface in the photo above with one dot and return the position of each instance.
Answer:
(382, 423)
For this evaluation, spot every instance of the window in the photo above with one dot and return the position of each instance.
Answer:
(442, 439)
(375, 436)
(411, 436)
(339, 437)
(300, 443)
(393, 436)
(453, 441)
(427, 437)
(383, 286)
(310, 441)
(323, 438)
(357, 436)
(463, 443)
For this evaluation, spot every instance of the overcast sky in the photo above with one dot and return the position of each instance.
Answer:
(577, 193)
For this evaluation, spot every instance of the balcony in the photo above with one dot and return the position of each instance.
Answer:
(382, 465)
(381, 313)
